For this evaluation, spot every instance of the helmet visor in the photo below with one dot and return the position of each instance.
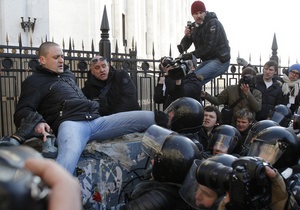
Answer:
(269, 152)
(221, 144)
(190, 186)
(249, 139)
(280, 119)
(154, 139)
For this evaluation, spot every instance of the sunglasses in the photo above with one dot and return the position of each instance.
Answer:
(100, 58)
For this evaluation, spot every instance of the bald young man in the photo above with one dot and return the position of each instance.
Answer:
(53, 93)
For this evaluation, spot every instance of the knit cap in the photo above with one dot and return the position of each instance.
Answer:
(198, 6)
(295, 67)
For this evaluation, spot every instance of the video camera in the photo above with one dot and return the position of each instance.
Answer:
(179, 65)
(19, 188)
(246, 181)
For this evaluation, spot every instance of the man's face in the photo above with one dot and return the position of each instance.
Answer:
(199, 17)
(209, 120)
(269, 72)
(205, 197)
(100, 69)
(242, 123)
(54, 60)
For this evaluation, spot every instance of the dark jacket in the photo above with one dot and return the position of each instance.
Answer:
(56, 97)
(232, 93)
(270, 97)
(209, 39)
(121, 96)
(154, 195)
(190, 87)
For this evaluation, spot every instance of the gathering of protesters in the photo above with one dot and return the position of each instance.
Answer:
(236, 150)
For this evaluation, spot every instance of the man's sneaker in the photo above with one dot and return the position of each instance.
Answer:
(49, 150)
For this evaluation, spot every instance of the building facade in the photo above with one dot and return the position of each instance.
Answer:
(146, 23)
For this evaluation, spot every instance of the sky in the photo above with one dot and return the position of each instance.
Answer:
(250, 26)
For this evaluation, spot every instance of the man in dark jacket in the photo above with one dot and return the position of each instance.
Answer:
(113, 88)
(169, 89)
(270, 89)
(53, 93)
(210, 41)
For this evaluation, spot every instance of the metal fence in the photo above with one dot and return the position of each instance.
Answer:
(18, 62)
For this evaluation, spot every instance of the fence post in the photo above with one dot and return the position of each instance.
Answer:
(274, 48)
(104, 45)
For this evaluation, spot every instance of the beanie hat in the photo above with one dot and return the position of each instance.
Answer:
(295, 67)
(198, 6)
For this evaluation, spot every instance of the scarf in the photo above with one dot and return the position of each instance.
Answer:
(288, 85)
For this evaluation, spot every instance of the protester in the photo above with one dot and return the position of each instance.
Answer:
(270, 88)
(53, 93)
(210, 41)
(212, 119)
(290, 88)
(244, 122)
(113, 88)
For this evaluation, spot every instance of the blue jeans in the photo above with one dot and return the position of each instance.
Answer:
(74, 135)
(211, 69)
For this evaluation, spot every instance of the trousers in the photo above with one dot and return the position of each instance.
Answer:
(211, 69)
(73, 136)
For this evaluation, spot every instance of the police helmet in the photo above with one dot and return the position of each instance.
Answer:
(185, 114)
(225, 139)
(281, 114)
(277, 145)
(172, 153)
(256, 128)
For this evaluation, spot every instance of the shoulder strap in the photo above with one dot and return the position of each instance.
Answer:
(106, 89)
(237, 101)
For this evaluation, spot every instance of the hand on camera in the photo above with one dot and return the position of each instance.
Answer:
(279, 195)
(245, 88)
(65, 189)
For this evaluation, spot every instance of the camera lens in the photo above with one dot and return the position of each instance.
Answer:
(214, 175)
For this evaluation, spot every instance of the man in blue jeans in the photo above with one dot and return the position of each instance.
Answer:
(52, 93)
(210, 41)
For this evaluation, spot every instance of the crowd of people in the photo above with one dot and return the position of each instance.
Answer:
(201, 158)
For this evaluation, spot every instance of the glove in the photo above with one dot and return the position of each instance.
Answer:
(103, 105)
(241, 61)
(161, 118)
(27, 127)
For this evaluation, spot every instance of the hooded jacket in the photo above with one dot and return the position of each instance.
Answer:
(56, 97)
(209, 39)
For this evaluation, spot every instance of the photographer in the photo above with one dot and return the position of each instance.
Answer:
(210, 41)
(278, 192)
(249, 183)
(177, 80)
(243, 95)
(30, 182)
(280, 147)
